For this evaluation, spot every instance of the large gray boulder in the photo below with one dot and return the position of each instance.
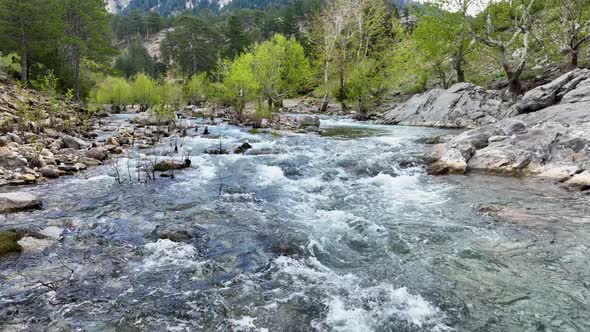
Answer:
(72, 142)
(463, 105)
(552, 143)
(571, 87)
(308, 121)
(19, 201)
(98, 153)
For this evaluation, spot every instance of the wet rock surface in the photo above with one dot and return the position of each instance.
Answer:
(552, 142)
(463, 105)
(19, 201)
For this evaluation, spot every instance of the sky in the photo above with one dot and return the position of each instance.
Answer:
(475, 8)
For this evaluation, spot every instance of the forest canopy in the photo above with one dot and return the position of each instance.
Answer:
(351, 52)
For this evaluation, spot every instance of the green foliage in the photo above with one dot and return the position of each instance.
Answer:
(443, 40)
(145, 92)
(197, 89)
(280, 68)
(363, 83)
(9, 63)
(116, 91)
(171, 94)
(9, 242)
(136, 60)
(192, 45)
(237, 39)
(239, 81)
(30, 28)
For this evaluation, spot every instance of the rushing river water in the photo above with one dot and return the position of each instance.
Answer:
(339, 232)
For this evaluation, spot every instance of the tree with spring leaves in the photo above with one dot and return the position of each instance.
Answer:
(507, 30)
(280, 68)
(239, 82)
(574, 19)
(443, 38)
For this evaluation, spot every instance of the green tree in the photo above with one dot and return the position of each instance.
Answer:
(281, 69)
(443, 39)
(30, 28)
(239, 82)
(193, 45)
(507, 29)
(237, 40)
(112, 91)
(196, 89)
(137, 60)
(153, 22)
(87, 35)
(574, 27)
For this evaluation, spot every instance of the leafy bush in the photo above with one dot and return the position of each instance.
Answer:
(9, 63)
(196, 89)
(112, 90)
(145, 92)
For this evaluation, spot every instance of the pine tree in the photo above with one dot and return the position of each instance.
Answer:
(87, 35)
(30, 28)
(237, 40)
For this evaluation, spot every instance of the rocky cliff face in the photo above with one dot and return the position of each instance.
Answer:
(551, 139)
(463, 105)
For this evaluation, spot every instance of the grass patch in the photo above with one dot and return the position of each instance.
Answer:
(254, 131)
(276, 134)
(9, 242)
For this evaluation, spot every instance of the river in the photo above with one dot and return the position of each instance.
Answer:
(339, 232)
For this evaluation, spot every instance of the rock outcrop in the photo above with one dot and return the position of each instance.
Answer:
(571, 87)
(551, 142)
(18, 201)
(463, 105)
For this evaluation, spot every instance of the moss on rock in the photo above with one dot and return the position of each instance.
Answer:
(9, 242)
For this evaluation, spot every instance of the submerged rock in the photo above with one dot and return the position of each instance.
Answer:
(580, 181)
(19, 201)
(463, 105)
(170, 165)
(243, 148)
(23, 240)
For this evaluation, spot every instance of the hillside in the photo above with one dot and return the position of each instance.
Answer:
(167, 7)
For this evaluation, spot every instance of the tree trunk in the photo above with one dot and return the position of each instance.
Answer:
(76, 65)
(24, 68)
(324, 106)
(460, 72)
(194, 64)
(574, 55)
(514, 83)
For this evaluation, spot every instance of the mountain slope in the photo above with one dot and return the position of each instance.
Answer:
(167, 7)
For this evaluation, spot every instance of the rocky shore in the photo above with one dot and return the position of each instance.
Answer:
(463, 105)
(549, 137)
